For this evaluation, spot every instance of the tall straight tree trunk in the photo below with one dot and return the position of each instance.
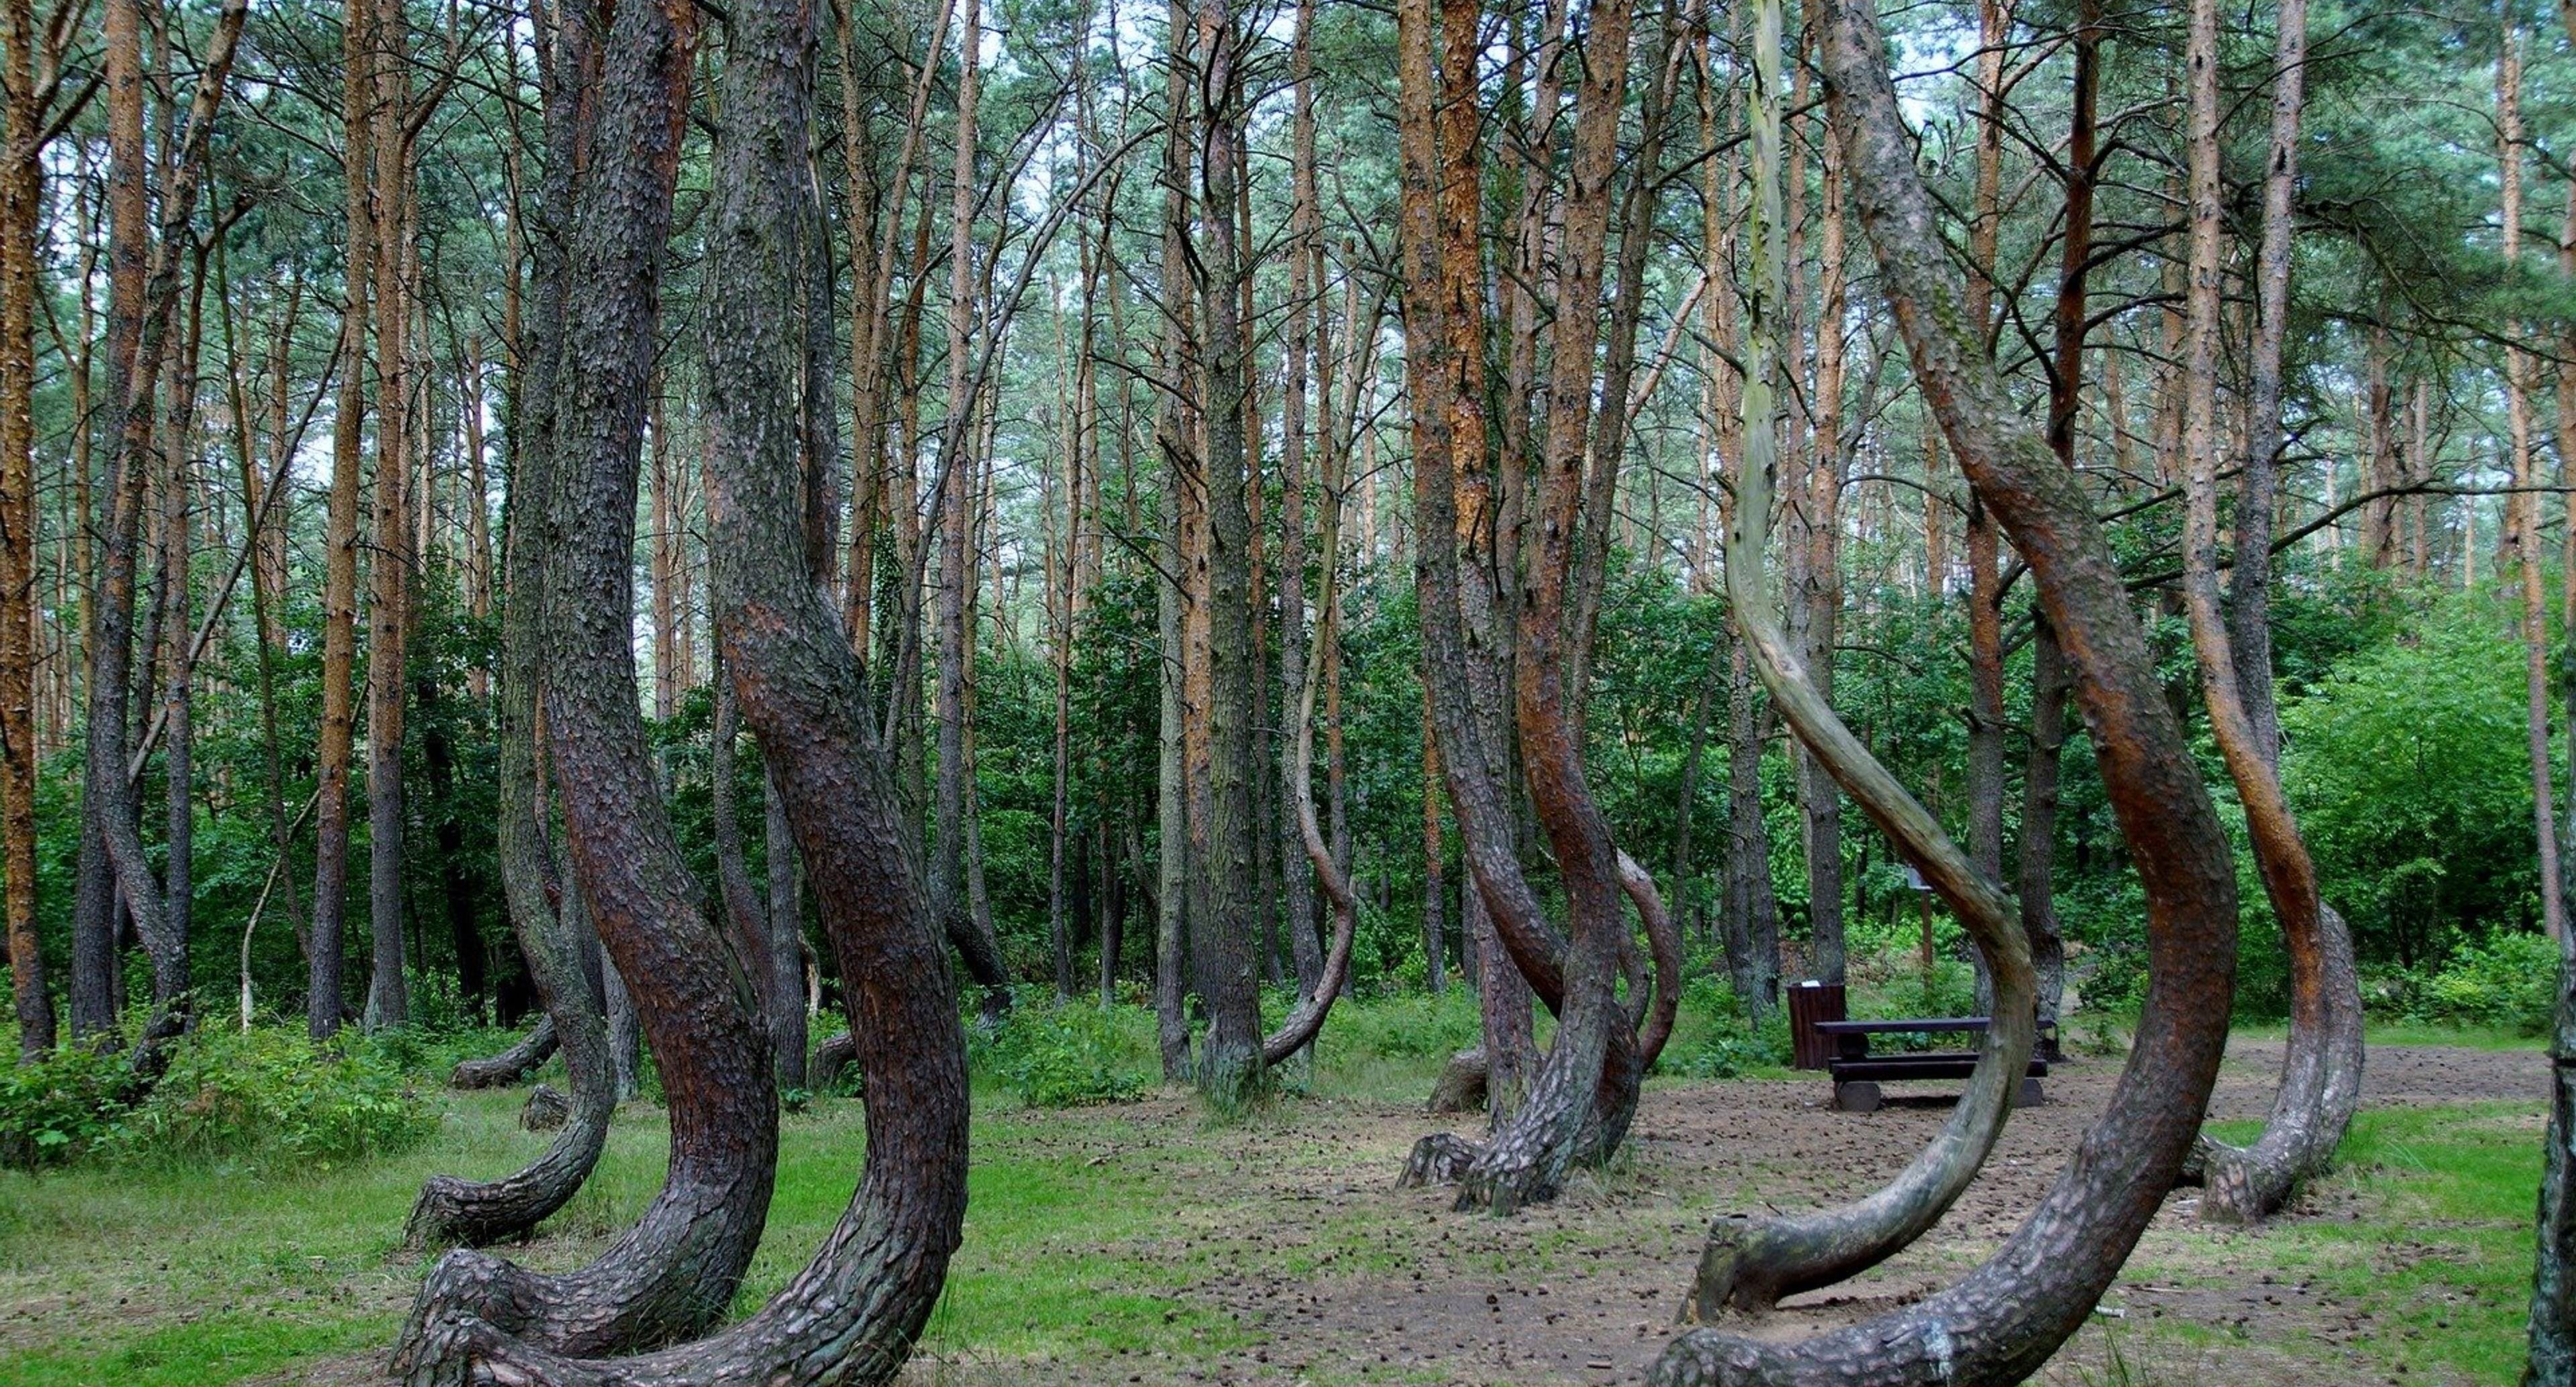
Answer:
(389, 568)
(1822, 581)
(21, 199)
(2523, 508)
(1304, 296)
(956, 512)
(267, 523)
(2551, 1356)
(178, 739)
(1985, 591)
(333, 754)
(2049, 688)
(1223, 923)
(1176, 434)
(145, 282)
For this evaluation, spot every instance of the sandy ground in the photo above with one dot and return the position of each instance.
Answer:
(1585, 1290)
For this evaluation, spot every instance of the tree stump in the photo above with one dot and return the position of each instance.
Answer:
(547, 1109)
(1438, 1159)
(1461, 1087)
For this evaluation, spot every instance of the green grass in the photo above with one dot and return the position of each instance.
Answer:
(1087, 1227)
(2414, 1033)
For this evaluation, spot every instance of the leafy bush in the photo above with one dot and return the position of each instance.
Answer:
(1403, 1025)
(1052, 1054)
(1710, 1039)
(60, 1107)
(272, 1092)
(2511, 980)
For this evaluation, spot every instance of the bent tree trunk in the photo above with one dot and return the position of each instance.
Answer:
(2003, 1320)
(508, 1067)
(1750, 1263)
(852, 1315)
(1585, 1094)
(673, 1273)
(2321, 1071)
(1299, 1030)
(554, 941)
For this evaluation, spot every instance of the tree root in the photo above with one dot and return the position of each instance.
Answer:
(511, 1065)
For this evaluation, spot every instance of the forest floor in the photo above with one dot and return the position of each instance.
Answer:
(1144, 1243)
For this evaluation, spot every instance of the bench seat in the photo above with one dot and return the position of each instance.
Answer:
(1857, 1077)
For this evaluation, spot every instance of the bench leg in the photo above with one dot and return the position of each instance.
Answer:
(1858, 1095)
(2031, 1095)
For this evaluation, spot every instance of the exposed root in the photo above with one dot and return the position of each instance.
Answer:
(510, 1066)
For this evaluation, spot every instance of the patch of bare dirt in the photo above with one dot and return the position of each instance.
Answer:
(1586, 1290)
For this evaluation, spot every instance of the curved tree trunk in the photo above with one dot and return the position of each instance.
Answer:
(2004, 1320)
(1748, 1263)
(2321, 1072)
(852, 1315)
(1300, 1028)
(1585, 1093)
(675, 1272)
(522, 1059)
(554, 935)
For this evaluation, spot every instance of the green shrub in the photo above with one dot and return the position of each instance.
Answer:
(2511, 980)
(273, 1093)
(62, 1106)
(1402, 1025)
(1052, 1054)
(1710, 1039)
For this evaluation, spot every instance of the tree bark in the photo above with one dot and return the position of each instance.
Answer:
(854, 1313)
(524, 1057)
(2321, 1071)
(2523, 509)
(1304, 296)
(673, 1273)
(389, 568)
(956, 565)
(145, 281)
(1749, 1264)
(1223, 925)
(1175, 434)
(334, 751)
(2004, 1320)
(21, 200)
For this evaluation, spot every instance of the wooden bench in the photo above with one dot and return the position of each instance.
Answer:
(1825, 1039)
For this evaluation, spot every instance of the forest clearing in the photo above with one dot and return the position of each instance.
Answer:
(1707, 693)
(1139, 1242)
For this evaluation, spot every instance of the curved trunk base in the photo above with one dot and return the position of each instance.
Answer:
(455, 1212)
(830, 1058)
(2320, 1089)
(1441, 1158)
(510, 1066)
(546, 1110)
(1748, 1264)
(1461, 1086)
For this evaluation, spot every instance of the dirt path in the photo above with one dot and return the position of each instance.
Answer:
(1585, 1290)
